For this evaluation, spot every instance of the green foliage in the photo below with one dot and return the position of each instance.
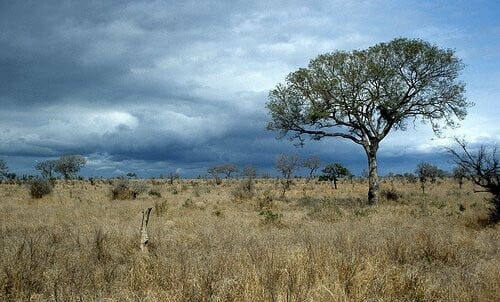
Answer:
(39, 188)
(335, 171)
(362, 95)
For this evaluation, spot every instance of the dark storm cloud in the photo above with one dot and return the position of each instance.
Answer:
(141, 85)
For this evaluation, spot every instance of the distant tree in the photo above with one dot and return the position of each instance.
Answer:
(286, 165)
(428, 173)
(69, 165)
(333, 172)
(459, 173)
(246, 187)
(312, 163)
(228, 169)
(483, 168)
(172, 176)
(131, 175)
(215, 171)
(249, 172)
(46, 168)
(4, 169)
(362, 95)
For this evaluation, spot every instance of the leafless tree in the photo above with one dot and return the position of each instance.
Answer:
(215, 171)
(312, 163)
(228, 169)
(172, 176)
(287, 164)
(46, 168)
(483, 168)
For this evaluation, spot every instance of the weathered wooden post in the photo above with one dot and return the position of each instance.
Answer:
(144, 229)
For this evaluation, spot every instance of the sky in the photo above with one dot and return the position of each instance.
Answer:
(153, 87)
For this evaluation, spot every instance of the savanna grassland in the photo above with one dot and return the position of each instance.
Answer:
(225, 243)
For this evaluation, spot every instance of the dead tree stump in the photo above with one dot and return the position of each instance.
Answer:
(144, 229)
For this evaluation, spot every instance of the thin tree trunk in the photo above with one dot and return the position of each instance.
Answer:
(373, 183)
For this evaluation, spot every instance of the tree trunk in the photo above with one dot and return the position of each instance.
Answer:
(144, 229)
(373, 184)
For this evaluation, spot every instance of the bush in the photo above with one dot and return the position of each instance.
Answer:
(39, 188)
(245, 189)
(391, 194)
(125, 190)
(154, 192)
(270, 217)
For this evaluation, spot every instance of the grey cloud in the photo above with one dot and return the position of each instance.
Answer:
(152, 84)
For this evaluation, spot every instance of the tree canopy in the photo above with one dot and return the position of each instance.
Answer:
(362, 95)
(335, 171)
(69, 165)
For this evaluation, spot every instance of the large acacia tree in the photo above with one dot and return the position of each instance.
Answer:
(362, 95)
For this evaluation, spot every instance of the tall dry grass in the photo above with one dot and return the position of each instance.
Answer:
(209, 244)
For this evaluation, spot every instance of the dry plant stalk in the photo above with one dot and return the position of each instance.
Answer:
(144, 229)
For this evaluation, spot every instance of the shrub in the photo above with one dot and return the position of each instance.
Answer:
(245, 189)
(265, 202)
(154, 192)
(39, 188)
(161, 208)
(391, 194)
(125, 190)
(270, 217)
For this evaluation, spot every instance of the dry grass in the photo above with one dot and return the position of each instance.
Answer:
(209, 244)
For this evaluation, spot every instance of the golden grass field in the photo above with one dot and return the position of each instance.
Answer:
(209, 243)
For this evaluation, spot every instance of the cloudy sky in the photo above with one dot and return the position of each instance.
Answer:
(157, 86)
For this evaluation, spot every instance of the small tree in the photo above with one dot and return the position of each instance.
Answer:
(46, 168)
(39, 188)
(69, 165)
(483, 168)
(362, 95)
(287, 164)
(459, 174)
(215, 171)
(229, 169)
(246, 187)
(250, 172)
(312, 163)
(172, 176)
(428, 173)
(335, 171)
